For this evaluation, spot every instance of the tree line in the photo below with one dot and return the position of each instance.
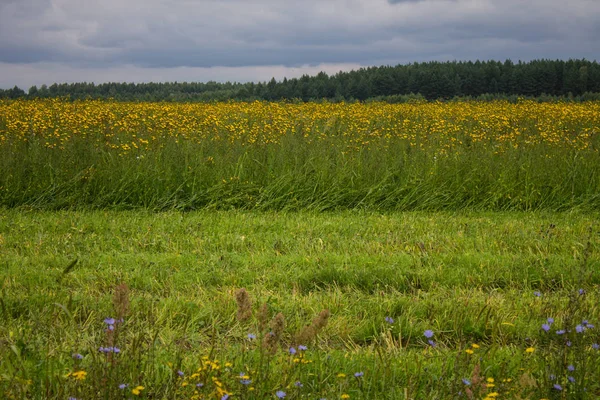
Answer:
(578, 79)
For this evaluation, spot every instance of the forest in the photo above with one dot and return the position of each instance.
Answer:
(546, 79)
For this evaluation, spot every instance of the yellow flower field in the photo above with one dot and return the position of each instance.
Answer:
(141, 126)
(492, 155)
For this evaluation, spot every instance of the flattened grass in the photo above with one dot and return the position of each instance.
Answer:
(469, 277)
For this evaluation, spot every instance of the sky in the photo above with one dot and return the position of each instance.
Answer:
(47, 41)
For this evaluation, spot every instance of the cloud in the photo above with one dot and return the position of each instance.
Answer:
(87, 35)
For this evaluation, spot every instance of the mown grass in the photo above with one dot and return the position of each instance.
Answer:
(471, 278)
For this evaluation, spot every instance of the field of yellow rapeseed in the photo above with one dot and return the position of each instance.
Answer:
(136, 127)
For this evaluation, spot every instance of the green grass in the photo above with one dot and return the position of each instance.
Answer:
(470, 277)
(457, 156)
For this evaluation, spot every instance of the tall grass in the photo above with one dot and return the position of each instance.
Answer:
(321, 157)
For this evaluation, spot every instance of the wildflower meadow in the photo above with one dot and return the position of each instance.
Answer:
(425, 250)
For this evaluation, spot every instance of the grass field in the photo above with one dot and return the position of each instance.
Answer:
(299, 251)
(274, 156)
(482, 282)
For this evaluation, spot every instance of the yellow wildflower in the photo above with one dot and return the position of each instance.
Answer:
(137, 390)
(79, 375)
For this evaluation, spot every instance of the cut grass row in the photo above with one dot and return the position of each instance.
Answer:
(468, 277)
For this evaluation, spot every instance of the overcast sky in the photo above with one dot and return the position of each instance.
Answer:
(47, 41)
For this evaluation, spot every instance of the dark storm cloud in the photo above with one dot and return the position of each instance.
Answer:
(165, 34)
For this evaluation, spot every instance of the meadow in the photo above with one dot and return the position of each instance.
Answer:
(484, 284)
(275, 250)
(276, 156)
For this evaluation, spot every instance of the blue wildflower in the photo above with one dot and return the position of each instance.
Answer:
(123, 386)
(579, 328)
(571, 379)
(560, 332)
(557, 387)
(302, 348)
(77, 356)
(358, 374)
(428, 333)
(550, 320)
(292, 351)
(251, 336)
(545, 327)
(180, 373)
(389, 320)
(466, 381)
(571, 368)
(298, 384)
(537, 294)
(280, 394)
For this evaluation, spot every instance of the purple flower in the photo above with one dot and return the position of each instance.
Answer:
(302, 347)
(428, 333)
(545, 327)
(280, 394)
(557, 387)
(571, 379)
(109, 321)
(123, 386)
(595, 346)
(537, 294)
(550, 320)
(180, 373)
(72, 398)
(199, 385)
(225, 396)
(466, 381)
(568, 343)
(581, 292)
(389, 320)
(560, 332)
(77, 356)
(106, 350)
(571, 368)
(292, 351)
(579, 328)
(431, 343)
(298, 384)
(251, 336)
(110, 328)
(245, 381)
(358, 374)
